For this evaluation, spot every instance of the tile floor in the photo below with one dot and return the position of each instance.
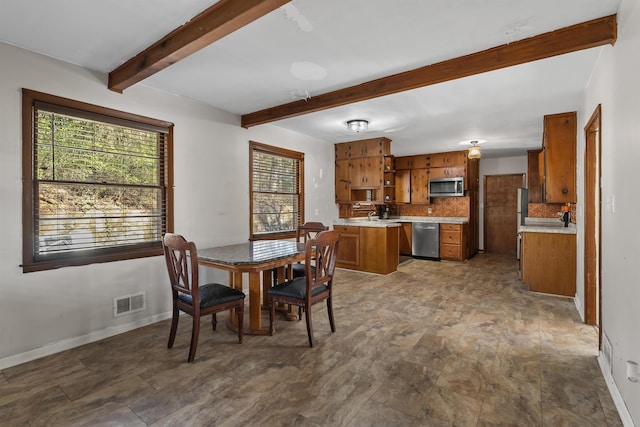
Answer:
(433, 344)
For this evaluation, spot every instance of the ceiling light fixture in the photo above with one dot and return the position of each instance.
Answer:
(474, 150)
(358, 125)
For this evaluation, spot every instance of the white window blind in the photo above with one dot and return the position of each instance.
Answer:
(276, 189)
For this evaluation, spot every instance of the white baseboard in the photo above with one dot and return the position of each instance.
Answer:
(68, 343)
(623, 412)
(578, 304)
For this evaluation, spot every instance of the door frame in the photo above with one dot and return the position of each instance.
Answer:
(593, 216)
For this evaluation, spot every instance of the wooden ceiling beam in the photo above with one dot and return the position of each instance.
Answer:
(597, 32)
(219, 20)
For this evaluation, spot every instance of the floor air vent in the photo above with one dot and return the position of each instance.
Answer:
(128, 304)
(607, 351)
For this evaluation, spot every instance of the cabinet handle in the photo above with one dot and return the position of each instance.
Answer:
(565, 191)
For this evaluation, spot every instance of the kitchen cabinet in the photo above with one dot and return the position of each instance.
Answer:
(403, 186)
(447, 172)
(453, 242)
(559, 148)
(343, 188)
(420, 161)
(348, 255)
(419, 186)
(371, 249)
(450, 158)
(360, 171)
(366, 173)
(548, 262)
(533, 172)
(343, 151)
(404, 242)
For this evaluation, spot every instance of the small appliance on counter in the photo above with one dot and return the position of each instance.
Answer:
(383, 212)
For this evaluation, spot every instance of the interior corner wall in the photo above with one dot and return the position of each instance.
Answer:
(499, 166)
(48, 311)
(615, 85)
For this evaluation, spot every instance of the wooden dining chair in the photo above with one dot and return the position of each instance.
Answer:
(306, 231)
(315, 286)
(182, 263)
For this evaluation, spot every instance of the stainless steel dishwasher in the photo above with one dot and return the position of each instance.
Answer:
(425, 240)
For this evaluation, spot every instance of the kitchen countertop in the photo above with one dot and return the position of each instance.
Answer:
(395, 221)
(546, 225)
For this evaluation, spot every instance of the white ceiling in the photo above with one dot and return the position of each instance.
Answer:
(311, 46)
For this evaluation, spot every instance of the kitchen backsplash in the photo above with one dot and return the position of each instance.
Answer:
(549, 210)
(440, 206)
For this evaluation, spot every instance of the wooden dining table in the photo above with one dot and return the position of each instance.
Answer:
(257, 259)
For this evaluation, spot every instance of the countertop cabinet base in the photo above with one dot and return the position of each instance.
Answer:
(548, 262)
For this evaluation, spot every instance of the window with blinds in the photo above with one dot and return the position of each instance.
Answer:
(98, 184)
(277, 191)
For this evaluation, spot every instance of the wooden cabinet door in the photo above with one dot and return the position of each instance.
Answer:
(403, 163)
(559, 145)
(367, 172)
(420, 161)
(419, 186)
(533, 170)
(343, 151)
(343, 188)
(403, 186)
(349, 248)
(405, 238)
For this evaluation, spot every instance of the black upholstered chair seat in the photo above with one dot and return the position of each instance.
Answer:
(298, 270)
(214, 294)
(296, 288)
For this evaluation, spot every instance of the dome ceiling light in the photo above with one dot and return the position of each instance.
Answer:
(358, 125)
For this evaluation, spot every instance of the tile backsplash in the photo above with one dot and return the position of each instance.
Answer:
(549, 210)
(440, 206)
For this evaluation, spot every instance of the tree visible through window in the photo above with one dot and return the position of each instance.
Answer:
(277, 191)
(97, 186)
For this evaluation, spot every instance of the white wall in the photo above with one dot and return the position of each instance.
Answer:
(615, 84)
(48, 311)
(500, 166)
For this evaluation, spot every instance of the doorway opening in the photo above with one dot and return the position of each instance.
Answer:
(592, 223)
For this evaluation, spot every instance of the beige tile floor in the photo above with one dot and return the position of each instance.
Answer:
(433, 344)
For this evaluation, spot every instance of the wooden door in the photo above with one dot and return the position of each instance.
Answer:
(500, 219)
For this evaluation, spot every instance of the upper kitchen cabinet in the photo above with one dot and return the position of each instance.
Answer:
(451, 158)
(535, 179)
(360, 170)
(559, 154)
(375, 147)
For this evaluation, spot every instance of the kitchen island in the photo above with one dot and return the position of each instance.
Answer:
(374, 245)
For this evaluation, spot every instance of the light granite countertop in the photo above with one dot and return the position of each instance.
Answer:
(395, 221)
(546, 225)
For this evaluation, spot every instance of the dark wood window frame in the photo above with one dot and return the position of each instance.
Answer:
(36, 260)
(298, 157)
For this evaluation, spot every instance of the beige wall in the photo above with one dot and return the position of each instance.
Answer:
(45, 312)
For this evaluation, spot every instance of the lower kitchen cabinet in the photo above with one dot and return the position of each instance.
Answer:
(404, 242)
(372, 249)
(348, 247)
(453, 242)
(548, 263)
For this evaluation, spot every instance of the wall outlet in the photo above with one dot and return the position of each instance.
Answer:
(429, 211)
(316, 211)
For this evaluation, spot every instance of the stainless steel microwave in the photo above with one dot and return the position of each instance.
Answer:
(446, 187)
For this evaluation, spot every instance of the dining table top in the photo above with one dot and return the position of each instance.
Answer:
(251, 253)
